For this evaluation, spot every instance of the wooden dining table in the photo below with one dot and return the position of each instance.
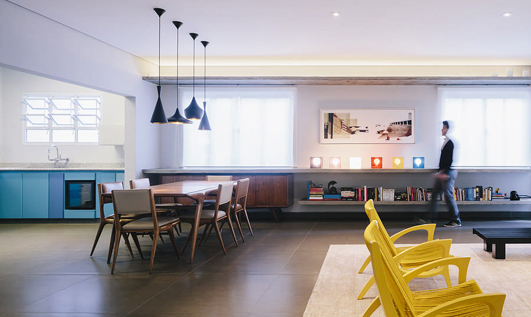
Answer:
(196, 190)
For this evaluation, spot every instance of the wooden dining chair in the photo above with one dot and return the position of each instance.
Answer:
(239, 205)
(138, 202)
(106, 188)
(218, 178)
(145, 183)
(211, 216)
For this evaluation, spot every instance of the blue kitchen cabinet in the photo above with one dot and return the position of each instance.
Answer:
(56, 204)
(35, 195)
(10, 195)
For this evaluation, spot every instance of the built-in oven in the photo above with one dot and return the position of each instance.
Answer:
(80, 194)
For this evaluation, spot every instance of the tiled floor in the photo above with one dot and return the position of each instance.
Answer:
(46, 270)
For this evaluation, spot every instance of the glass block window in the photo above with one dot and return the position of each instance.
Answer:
(61, 119)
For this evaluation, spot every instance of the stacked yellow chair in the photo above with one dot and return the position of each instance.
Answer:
(464, 299)
(408, 258)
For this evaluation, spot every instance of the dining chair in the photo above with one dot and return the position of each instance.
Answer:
(211, 217)
(138, 202)
(239, 205)
(145, 183)
(218, 178)
(106, 188)
(210, 199)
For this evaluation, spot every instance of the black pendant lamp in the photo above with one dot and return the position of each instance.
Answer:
(193, 111)
(177, 118)
(158, 114)
(204, 124)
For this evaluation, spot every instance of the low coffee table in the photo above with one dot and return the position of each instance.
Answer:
(499, 237)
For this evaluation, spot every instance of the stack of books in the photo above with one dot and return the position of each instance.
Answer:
(315, 192)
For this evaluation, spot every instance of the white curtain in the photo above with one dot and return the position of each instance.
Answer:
(250, 127)
(490, 126)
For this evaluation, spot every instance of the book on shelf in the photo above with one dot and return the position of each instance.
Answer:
(314, 192)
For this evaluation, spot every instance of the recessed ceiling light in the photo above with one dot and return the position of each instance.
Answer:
(507, 14)
(336, 13)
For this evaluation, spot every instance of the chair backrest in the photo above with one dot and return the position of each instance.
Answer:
(104, 188)
(242, 189)
(139, 183)
(133, 202)
(395, 295)
(219, 178)
(373, 215)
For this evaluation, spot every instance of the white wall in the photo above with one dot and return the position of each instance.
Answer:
(37, 45)
(16, 86)
(310, 99)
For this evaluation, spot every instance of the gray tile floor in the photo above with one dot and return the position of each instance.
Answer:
(46, 270)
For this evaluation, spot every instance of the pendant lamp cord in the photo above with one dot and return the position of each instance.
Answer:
(159, 50)
(193, 77)
(177, 81)
(204, 76)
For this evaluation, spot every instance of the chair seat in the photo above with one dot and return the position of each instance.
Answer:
(206, 214)
(237, 208)
(147, 223)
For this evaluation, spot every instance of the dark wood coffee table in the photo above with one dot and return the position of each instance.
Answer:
(499, 237)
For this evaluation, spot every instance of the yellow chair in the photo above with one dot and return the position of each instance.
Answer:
(413, 256)
(373, 215)
(465, 299)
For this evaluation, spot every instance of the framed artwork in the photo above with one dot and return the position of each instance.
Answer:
(367, 126)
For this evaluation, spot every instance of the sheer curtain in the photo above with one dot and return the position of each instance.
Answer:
(250, 127)
(490, 126)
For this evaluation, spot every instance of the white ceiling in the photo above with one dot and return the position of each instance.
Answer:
(304, 32)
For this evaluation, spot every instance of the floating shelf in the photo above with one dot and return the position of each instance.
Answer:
(304, 201)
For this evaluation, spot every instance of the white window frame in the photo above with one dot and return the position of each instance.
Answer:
(261, 95)
(75, 114)
(480, 142)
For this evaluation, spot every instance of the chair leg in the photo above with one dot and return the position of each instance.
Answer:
(232, 229)
(364, 265)
(153, 250)
(238, 223)
(116, 245)
(172, 238)
(248, 222)
(98, 234)
(111, 244)
(135, 239)
(126, 239)
(215, 224)
(372, 307)
(370, 283)
(188, 239)
(205, 235)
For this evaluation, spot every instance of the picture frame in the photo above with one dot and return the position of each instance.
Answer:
(385, 126)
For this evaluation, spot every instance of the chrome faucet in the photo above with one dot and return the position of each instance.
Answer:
(57, 156)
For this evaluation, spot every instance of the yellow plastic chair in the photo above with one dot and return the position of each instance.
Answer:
(411, 257)
(465, 299)
(373, 215)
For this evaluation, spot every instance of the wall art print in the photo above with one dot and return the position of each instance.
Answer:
(367, 126)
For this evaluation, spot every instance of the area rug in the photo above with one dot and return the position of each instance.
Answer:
(339, 283)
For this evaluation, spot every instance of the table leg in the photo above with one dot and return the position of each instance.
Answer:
(198, 210)
(487, 246)
(498, 252)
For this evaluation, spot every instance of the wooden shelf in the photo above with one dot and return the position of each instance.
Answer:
(304, 201)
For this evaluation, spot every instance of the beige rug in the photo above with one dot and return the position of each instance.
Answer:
(338, 285)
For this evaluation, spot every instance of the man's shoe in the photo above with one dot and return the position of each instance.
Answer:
(453, 224)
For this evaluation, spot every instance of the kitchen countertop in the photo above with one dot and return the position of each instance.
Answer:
(61, 167)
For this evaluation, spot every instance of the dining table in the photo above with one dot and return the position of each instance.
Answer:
(196, 190)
